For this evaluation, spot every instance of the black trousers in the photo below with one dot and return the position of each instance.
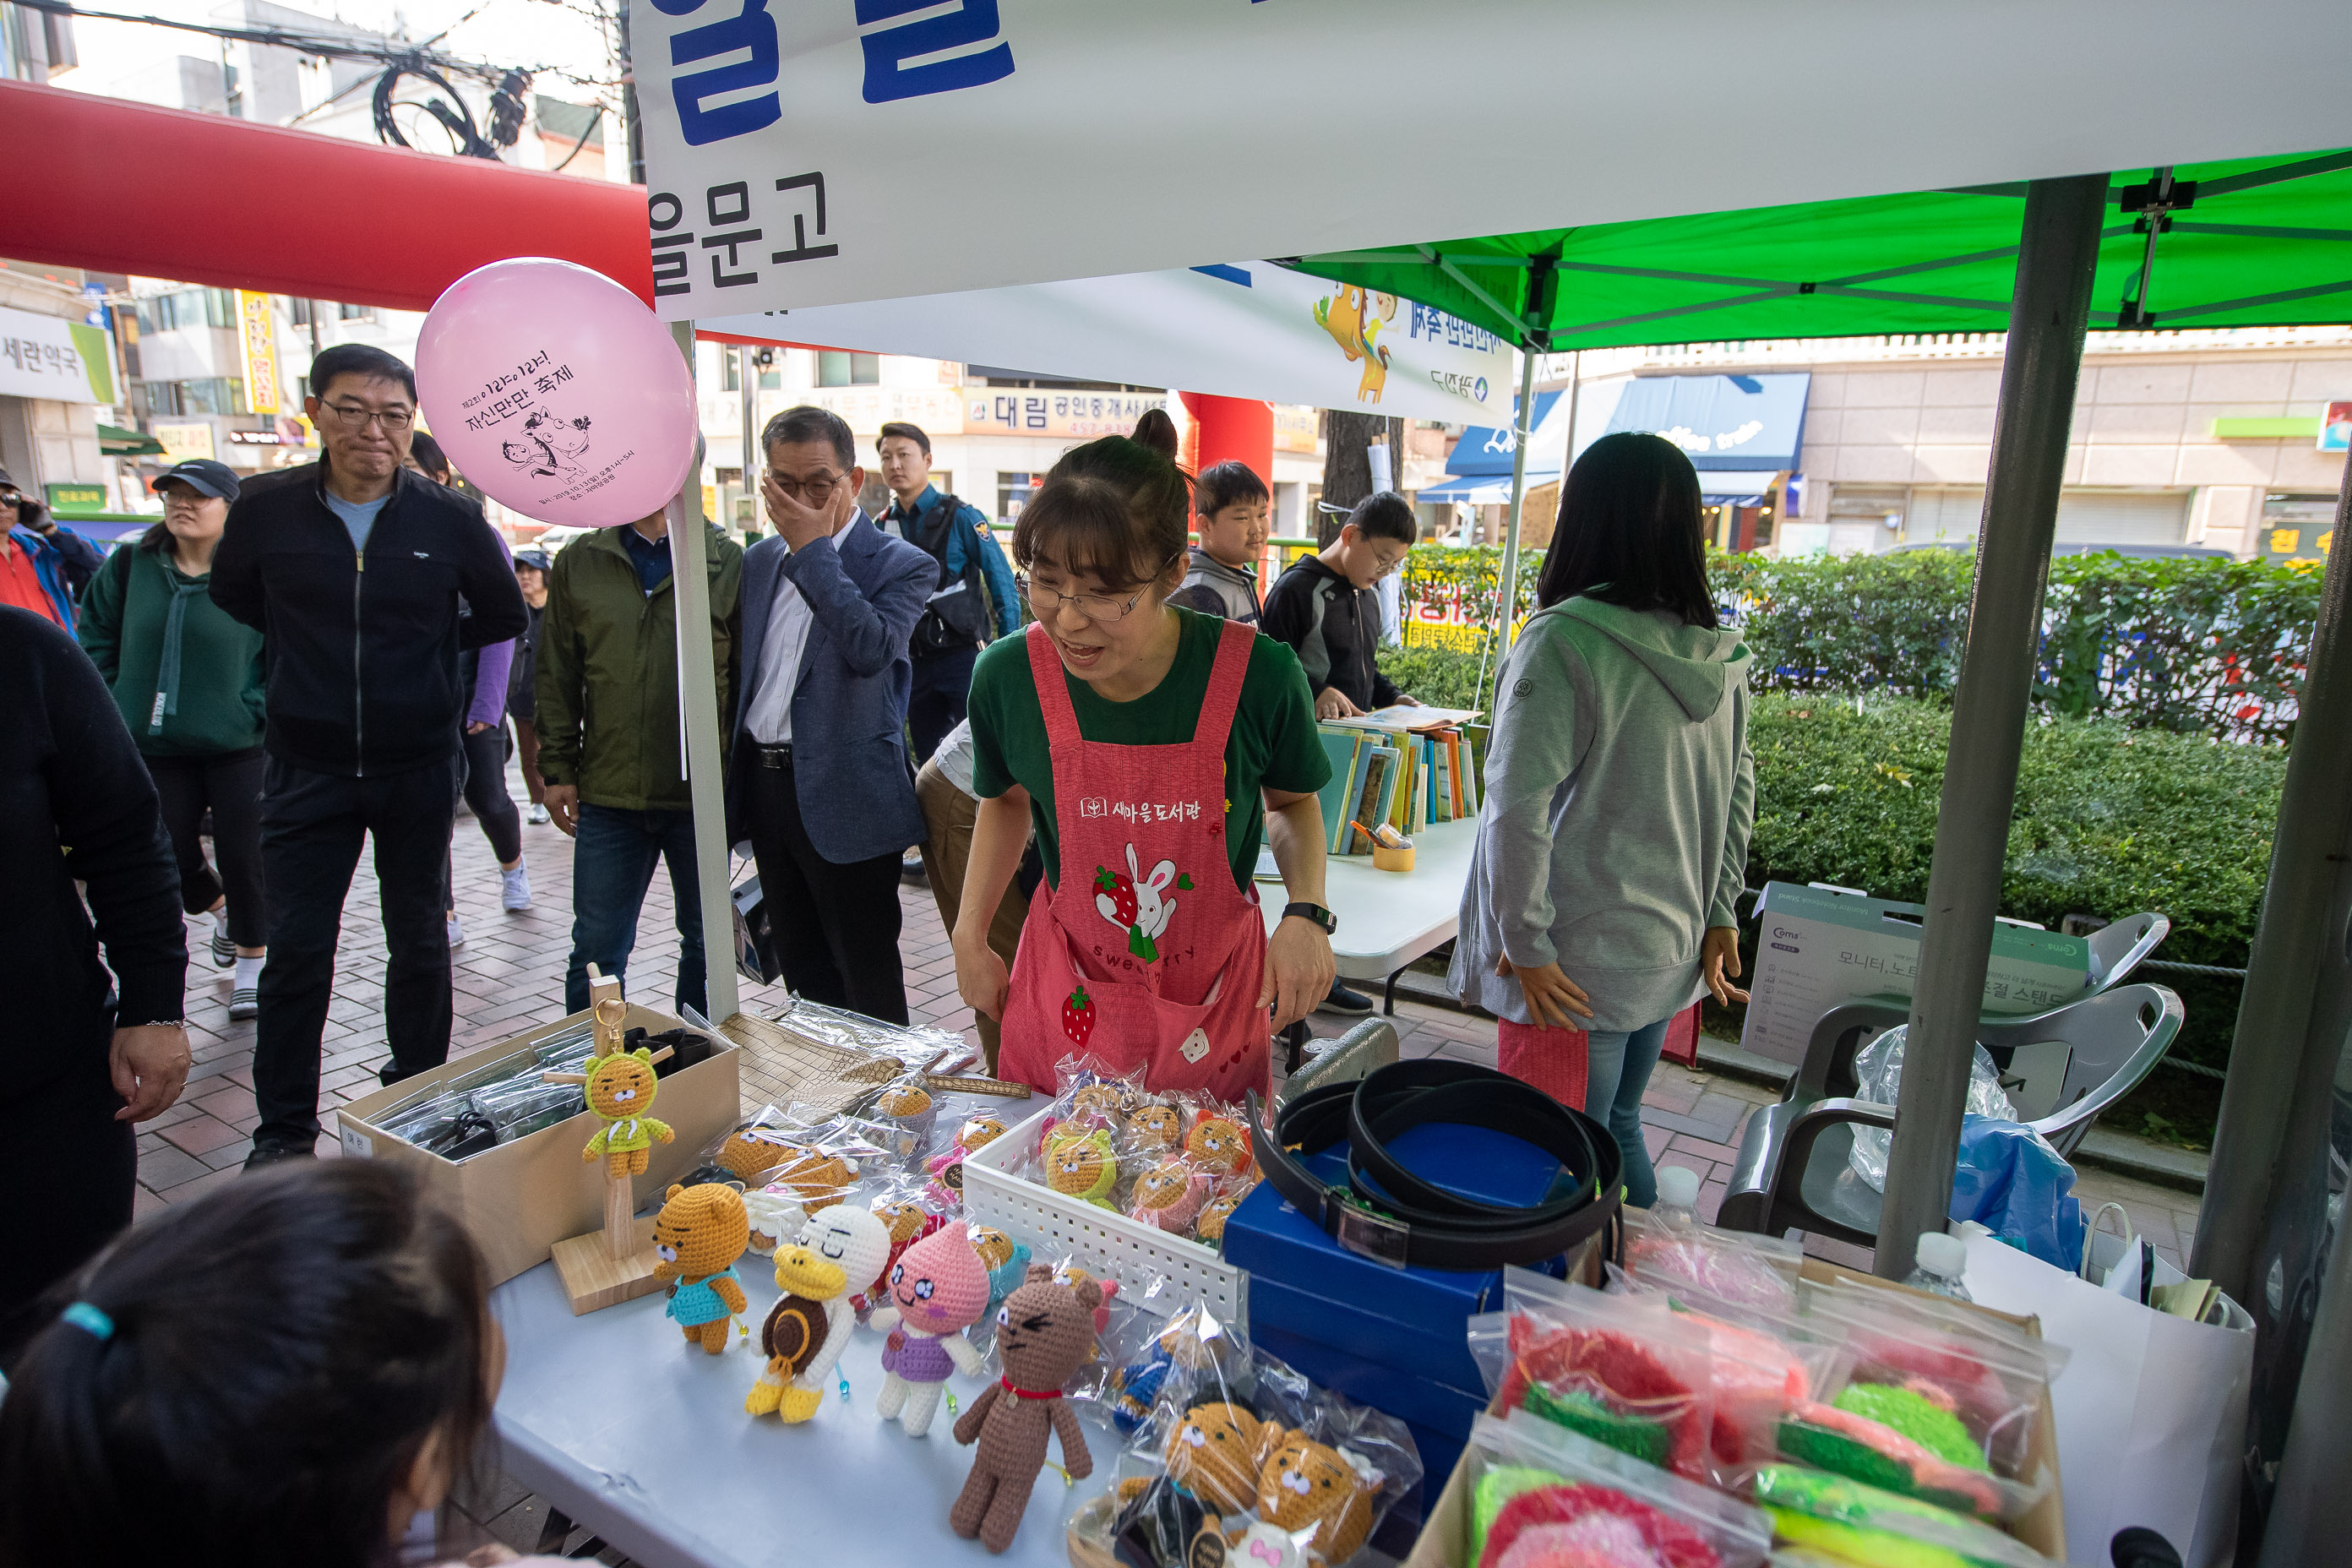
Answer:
(934, 702)
(312, 825)
(835, 926)
(230, 786)
(484, 789)
(79, 1168)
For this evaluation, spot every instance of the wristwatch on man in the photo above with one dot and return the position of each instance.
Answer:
(1315, 913)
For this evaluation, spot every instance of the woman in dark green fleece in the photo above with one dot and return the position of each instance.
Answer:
(188, 680)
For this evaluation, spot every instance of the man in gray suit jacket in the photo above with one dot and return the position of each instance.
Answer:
(817, 778)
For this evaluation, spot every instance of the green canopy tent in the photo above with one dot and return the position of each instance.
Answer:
(2253, 242)
(114, 441)
(2250, 242)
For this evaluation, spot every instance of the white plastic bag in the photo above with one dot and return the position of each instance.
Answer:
(1879, 1066)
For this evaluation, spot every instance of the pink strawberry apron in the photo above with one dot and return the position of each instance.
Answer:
(1149, 956)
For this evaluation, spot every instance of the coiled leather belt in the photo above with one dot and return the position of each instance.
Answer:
(1390, 1214)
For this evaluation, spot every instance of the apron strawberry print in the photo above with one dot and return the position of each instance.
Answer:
(1132, 960)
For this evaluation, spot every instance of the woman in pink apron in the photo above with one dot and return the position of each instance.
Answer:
(1141, 741)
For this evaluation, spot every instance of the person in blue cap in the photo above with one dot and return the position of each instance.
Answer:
(188, 680)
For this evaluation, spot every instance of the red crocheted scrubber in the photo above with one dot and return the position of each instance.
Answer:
(1619, 1370)
(1586, 1526)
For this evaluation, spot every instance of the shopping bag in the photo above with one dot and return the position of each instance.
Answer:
(2151, 1409)
(755, 947)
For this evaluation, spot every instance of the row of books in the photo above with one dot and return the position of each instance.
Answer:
(1410, 779)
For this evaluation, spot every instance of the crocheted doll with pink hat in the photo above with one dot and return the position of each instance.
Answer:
(937, 1289)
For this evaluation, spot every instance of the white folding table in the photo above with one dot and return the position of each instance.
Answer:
(1388, 919)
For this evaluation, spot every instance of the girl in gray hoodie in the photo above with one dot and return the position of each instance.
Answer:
(1620, 792)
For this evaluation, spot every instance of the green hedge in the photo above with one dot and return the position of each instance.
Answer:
(2199, 644)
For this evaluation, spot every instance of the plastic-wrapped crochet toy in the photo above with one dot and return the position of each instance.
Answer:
(1627, 1371)
(936, 1290)
(700, 1234)
(1170, 1195)
(946, 1170)
(1856, 1523)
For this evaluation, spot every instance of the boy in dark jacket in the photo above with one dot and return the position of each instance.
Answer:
(1324, 606)
(353, 568)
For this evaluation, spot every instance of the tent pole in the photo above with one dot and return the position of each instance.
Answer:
(1508, 588)
(2048, 311)
(744, 371)
(697, 701)
(2262, 1234)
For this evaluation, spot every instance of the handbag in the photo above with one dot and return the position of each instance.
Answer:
(755, 945)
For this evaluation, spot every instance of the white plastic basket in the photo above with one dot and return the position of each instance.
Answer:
(1053, 1226)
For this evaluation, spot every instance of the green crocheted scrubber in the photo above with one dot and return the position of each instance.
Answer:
(1644, 1439)
(1862, 1524)
(1848, 1456)
(1918, 1417)
(1496, 1486)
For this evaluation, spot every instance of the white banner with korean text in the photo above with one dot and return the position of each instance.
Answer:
(1238, 329)
(810, 155)
(53, 358)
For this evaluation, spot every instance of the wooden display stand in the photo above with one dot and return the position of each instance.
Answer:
(607, 1267)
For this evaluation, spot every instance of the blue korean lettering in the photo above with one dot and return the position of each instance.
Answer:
(753, 31)
(889, 76)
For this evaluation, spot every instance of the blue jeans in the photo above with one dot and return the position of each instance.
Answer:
(1617, 1070)
(612, 866)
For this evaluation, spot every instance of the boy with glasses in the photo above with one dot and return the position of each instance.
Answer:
(353, 568)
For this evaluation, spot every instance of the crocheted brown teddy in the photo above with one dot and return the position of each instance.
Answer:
(1045, 1331)
(1306, 1483)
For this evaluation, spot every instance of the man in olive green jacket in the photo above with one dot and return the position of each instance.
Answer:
(609, 737)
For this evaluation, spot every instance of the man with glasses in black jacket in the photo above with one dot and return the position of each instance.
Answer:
(352, 567)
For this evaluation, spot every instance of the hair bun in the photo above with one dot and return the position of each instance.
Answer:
(1156, 431)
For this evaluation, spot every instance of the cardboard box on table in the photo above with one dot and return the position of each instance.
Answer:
(1445, 1537)
(519, 1199)
(1817, 949)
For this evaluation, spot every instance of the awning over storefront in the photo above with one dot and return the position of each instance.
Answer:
(1724, 422)
(1483, 489)
(1720, 487)
(1486, 449)
(114, 441)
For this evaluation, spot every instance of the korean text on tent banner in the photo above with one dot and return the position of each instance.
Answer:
(813, 155)
(1244, 329)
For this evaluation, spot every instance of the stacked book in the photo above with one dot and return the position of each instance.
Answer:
(1407, 766)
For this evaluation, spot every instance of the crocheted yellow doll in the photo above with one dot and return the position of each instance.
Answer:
(1082, 1165)
(700, 1234)
(621, 1089)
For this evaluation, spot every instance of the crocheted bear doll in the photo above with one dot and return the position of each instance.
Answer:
(700, 1234)
(1307, 1486)
(938, 1289)
(840, 1249)
(1218, 1144)
(621, 1090)
(1169, 1195)
(1156, 1129)
(1218, 1452)
(1082, 1165)
(1043, 1332)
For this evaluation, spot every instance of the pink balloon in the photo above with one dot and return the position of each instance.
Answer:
(556, 391)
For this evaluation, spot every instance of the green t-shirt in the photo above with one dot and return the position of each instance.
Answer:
(1271, 744)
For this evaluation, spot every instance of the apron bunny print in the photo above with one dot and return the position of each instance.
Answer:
(1154, 960)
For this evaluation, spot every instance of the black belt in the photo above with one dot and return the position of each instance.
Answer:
(776, 755)
(1390, 1215)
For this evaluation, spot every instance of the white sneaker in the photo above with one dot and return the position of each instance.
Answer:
(514, 889)
(456, 933)
(536, 815)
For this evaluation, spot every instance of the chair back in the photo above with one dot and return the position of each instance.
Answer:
(2116, 949)
(2112, 1039)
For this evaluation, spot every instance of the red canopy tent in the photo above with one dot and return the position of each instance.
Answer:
(289, 212)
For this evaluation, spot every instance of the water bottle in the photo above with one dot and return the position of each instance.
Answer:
(1938, 1265)
(1676, 1210)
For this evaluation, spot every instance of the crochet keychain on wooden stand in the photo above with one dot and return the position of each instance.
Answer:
(616, 1264)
